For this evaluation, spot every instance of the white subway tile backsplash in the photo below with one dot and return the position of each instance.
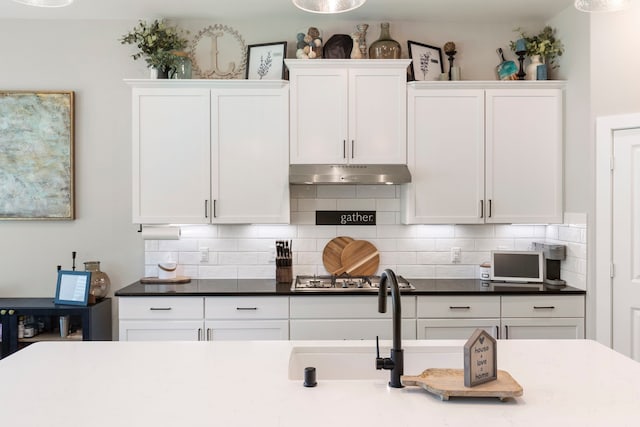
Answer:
(312, 205)
(416, 244)
(414, 251)
(356, 204)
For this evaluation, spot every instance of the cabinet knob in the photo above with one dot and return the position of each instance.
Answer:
(12, 312)
(3, 312)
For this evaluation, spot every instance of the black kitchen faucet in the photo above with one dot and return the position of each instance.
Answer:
(395, 363)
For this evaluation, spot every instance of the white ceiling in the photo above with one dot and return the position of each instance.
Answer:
(505, 11)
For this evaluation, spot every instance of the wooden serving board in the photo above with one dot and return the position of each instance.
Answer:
(177, 279)
(332, 253)
(450, 382)
(359, 258)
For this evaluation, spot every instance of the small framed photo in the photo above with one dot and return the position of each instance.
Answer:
(73, 287)
(266, 61)
(426, 61)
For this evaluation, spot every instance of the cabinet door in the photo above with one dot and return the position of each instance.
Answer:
(445, 157)
(237, 330)
(318, 102)
(543, 328)
(524, 131)
(156, 330)
(250, 155)
(170, 155)
(377, 116)
(455, 329)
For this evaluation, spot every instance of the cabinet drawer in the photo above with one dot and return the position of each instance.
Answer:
(458, 306)
(161, 308)
(246, 307)
(346, 307)
(543, 306)
(348, 329)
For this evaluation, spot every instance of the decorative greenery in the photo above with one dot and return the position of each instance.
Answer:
(544, 44)
(157, 43)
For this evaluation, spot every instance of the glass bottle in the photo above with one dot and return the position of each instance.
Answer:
(100, 282)
(183, 69)
(385, 47)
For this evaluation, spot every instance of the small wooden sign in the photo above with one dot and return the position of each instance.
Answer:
(480, 359)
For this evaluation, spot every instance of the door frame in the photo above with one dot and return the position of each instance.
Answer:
(605, 129)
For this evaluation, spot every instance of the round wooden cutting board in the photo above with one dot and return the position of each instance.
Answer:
(331, 255)
(360, 258)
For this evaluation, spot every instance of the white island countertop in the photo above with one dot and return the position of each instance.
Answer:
(156, 384)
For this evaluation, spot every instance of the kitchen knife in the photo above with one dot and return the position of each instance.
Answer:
(507, 70)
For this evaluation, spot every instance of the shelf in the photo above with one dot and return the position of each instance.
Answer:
(53, 336)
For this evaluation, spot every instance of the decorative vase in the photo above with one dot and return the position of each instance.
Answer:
(158, 73)
(385, 47)
(532, 68)
(100, 282)
(183, 69)
(362, 30)
(541, 72)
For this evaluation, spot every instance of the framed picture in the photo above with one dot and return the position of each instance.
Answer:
(266, 61)
(36, 155)
(426, 61)
(73, 287)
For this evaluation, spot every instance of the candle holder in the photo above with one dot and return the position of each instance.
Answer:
(450, 51)
(521, 74)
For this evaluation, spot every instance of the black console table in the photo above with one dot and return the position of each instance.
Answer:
(41, 318)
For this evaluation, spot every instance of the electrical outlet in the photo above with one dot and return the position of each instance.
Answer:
(456, 254)
(204, 254)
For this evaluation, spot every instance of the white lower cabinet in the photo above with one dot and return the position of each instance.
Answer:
(456, 317)
(204, 319)
(347, 318)
(161, 319)
(543, 317)
(246, 318)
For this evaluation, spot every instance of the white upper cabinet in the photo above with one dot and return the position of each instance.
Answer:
(524, 135)
(484, 152)
(171, 143)
(210, 152)
(348, 111)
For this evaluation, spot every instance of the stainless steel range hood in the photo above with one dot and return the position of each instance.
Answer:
(349, 174)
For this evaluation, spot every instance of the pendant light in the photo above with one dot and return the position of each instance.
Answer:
(601, 5)
(328, 6)
(45, 3)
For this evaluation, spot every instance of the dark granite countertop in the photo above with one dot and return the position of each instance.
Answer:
(269, 287)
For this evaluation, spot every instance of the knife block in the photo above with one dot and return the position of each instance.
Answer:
(284, 274)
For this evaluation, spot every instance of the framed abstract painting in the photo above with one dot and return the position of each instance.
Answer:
(36, 155)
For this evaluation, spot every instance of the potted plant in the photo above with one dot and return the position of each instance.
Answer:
(544, 44)
(158, 44)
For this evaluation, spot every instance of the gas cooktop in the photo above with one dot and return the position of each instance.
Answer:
(344, 283)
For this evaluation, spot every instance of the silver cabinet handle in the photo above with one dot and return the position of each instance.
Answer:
(206, 206)
(353, 148)
(246, 308)
(199, 334)
(208, 334)
(461, 307)
(344, 148)
(544, 307)
(160, 308)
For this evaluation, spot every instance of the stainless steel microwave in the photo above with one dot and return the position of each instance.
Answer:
(517, 266)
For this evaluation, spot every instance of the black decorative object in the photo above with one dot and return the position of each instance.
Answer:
(521, 74)
(338, 46)
(450, 51)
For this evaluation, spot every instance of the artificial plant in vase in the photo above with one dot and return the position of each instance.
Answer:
(545, 44)
(158, 43)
